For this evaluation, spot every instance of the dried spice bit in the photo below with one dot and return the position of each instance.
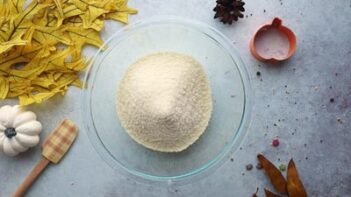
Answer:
(255, 194)
(270, 194)
(295, 186)
(332, 100)
(282, 167)
(249, 167)
(275, 142)
(258, 73)
(229, 10)
(259, 166)
(276, 177)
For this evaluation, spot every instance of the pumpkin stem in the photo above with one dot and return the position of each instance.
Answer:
(10, 132)
(277, 22)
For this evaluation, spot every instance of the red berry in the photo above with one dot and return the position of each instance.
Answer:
(249, 167)
(275, 142)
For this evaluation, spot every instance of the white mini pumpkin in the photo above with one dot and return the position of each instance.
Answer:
(19, 130)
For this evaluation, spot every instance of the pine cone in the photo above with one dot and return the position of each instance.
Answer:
(229, 10)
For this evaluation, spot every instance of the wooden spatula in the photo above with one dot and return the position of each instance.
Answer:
(54, 148)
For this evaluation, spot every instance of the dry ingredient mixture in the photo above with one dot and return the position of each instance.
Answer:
(164, 101)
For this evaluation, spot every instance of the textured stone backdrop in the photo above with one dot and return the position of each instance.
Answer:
(294, 96)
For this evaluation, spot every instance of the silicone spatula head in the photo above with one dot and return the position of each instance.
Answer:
(59, 141)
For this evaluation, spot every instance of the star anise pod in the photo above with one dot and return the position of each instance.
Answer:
(229, 10)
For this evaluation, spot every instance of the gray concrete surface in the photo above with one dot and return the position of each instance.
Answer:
(294, 96)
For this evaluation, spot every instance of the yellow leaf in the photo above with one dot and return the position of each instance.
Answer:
(17, 55)
(127, 9)
(79, 4)
(91, 15)
(77, 65)
(27, 99)
(78, 83)
(59, 7)
(43, 82)
(57, 75)
(103, 4)
(4, 18)
(28, 35)
(58, 19)
(60, 55)
(5, 46)
(22, 19)
(46, 50)
(31, 10)
(71, 11)
(30, 70)
(17, 39)
(17, 83)
(97, 24)
(15, 6)
(122, 12)
(122, 7)
(14, 94)
(40, 97)
(84, 36)
(24, 99)
(50, 35)
(14, 31)
(41, 19)
(38, 89)
(74, 22)
(4, 87)
(65, 80)
(118, 16)
(48, 18)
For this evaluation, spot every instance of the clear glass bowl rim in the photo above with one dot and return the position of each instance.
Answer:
(215, 162)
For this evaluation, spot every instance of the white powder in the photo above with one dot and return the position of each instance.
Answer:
(164, 101)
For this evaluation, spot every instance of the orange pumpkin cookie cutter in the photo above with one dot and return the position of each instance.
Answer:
(276, 23)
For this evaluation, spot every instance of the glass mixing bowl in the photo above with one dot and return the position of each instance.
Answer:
(230, 88)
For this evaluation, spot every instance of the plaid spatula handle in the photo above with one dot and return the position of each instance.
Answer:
(41, 165)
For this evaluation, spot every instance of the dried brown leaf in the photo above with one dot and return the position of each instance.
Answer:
(255, 194)
(295, 186)
(274, 174)
(270, 194)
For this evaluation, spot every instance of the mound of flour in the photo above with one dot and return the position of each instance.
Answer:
(164, 101)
